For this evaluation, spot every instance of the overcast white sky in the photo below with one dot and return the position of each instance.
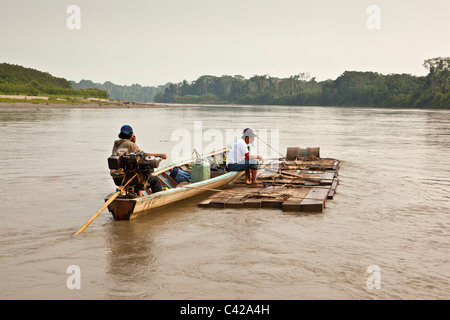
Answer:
(154, 42)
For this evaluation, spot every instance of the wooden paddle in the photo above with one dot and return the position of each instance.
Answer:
(104, 207)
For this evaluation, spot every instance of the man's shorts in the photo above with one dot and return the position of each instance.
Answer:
(243, 165)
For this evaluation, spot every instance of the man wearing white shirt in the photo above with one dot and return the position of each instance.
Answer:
(240, 159)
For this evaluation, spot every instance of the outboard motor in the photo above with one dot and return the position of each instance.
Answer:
(135, 163)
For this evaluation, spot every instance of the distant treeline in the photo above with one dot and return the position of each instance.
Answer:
(135, 92)
(352, 88)
(18, 80)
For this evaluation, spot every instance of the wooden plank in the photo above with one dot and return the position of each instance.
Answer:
(292, 205)
(217, 203)
(237, 194)
(239, 191)
(336, 169)
(272, 203)
(308, 205)
(207, 202)
(314, 200)
(336, 166)
(327, 177)
(219, 200)
(306, 178)
(283, 181)
(317, 193)
(163, 182)
(301, 181)
(169, 179)
(303, 195)
(333, 188)
(235, 203)
(322, 164)
(252, 203)
(204, 203)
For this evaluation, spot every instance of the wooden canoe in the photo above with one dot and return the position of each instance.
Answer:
(130, 208)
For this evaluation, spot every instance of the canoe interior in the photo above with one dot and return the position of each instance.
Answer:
(125, 206)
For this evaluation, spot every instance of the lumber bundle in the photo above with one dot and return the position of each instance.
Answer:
(296, 185)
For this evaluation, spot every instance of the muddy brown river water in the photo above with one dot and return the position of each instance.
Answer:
(385, 235)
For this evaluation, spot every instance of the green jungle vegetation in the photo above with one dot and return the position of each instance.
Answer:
(135, 92)
(352, 88)
(18, 80)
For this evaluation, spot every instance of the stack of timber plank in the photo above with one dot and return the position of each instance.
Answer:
(298, 185)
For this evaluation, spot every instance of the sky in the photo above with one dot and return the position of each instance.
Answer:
(152, 42)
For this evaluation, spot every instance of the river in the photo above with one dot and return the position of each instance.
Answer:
(383, 236)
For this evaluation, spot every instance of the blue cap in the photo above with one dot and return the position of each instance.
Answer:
(126, 129)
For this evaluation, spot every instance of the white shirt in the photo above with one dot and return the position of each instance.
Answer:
(237, 152)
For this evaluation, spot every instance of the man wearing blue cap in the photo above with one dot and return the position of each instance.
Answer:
(127, 144)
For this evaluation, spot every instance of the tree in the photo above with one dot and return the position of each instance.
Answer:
(438, 78)
(437, 65)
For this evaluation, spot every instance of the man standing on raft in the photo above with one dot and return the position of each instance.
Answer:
(240, 159)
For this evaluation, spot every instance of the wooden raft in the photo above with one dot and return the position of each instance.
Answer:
(291, 185)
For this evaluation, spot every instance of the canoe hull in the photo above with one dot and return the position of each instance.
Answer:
(130, 208)
(126, 209)
(122, 209)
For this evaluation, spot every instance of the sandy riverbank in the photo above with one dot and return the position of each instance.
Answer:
(89, 105)
(7, 96)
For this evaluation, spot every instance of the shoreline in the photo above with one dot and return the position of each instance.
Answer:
(88, 105)
(136, 105)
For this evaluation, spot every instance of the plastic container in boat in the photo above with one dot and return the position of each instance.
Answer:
(201, 170)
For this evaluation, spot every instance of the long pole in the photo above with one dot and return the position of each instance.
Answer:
(270, 147)
(103, 207)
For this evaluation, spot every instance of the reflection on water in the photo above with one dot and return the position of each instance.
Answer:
(130, 250)
(390, 210)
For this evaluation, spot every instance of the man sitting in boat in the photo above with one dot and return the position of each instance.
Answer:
(240, 159)
(126, 145)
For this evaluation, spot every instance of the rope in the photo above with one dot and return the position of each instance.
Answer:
(198, 155)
